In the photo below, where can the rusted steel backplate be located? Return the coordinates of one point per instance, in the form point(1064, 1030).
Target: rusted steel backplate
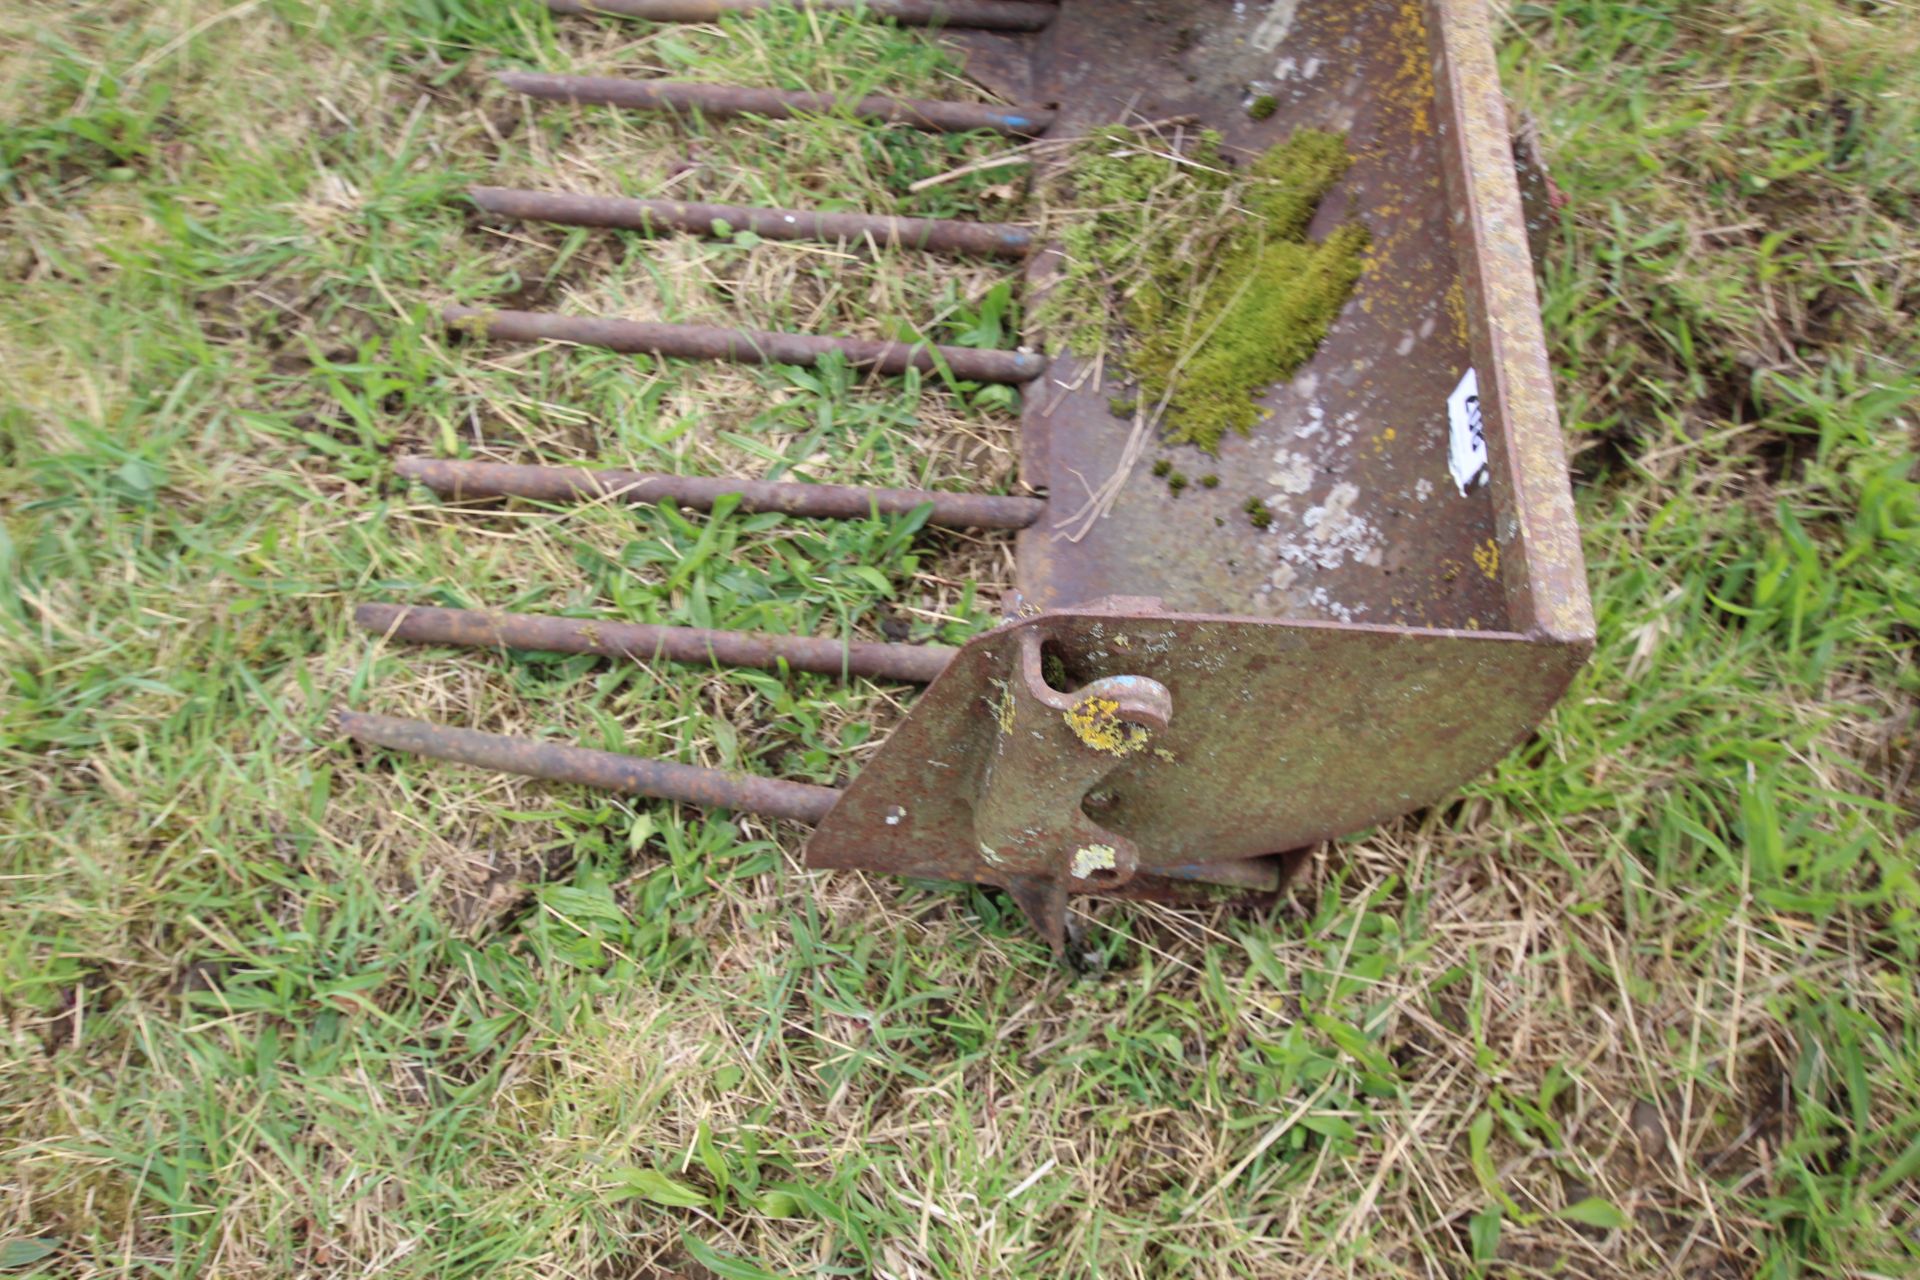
point(1280, 735)
point(1352, 461)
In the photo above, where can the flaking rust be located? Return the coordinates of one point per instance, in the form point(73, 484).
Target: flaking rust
point(1209, 678)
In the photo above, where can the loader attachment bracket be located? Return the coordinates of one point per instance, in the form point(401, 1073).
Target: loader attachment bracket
point(1049, 750)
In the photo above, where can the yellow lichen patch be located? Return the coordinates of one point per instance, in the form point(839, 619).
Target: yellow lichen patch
point(1411, 89)
point(1004, 710)
point(477, 323)
point(1487, 556)
point(1096, 721)
point(1094, 857)
point(1457, 308)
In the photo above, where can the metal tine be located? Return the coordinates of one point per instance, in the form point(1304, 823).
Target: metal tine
point(469, 628)
point(721, 100)
point(744, 346)
point(935, 235)
point(666, 780)
point(991, 15)
point(634, 775)
point(460, 479)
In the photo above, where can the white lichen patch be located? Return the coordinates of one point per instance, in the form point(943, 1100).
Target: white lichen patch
point(1333, 517)
point(1320, 598)
point(1333, 532)
point(1313, 423)
point(1093, 857)
point(1275, 24)
point(1294, 473)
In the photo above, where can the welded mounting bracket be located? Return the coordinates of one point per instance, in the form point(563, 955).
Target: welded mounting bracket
point(1052, 748)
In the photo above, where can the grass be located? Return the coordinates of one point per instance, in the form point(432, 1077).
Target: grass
point(1642, 1002)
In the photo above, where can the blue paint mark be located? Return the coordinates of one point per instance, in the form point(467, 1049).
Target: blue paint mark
point(1015, 122)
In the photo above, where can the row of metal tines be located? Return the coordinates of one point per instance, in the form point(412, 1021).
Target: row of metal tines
point(466, 480)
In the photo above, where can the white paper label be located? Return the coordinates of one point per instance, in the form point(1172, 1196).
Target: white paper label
point(1466, 439)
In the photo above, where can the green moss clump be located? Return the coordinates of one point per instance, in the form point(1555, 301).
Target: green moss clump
point(1177, 481)
point(1203, 277)
point(1122, 407)
point(1264, 326)
point(1258, 514)
point(1209, 482)
point(1162, 467)
point(1263, 106)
